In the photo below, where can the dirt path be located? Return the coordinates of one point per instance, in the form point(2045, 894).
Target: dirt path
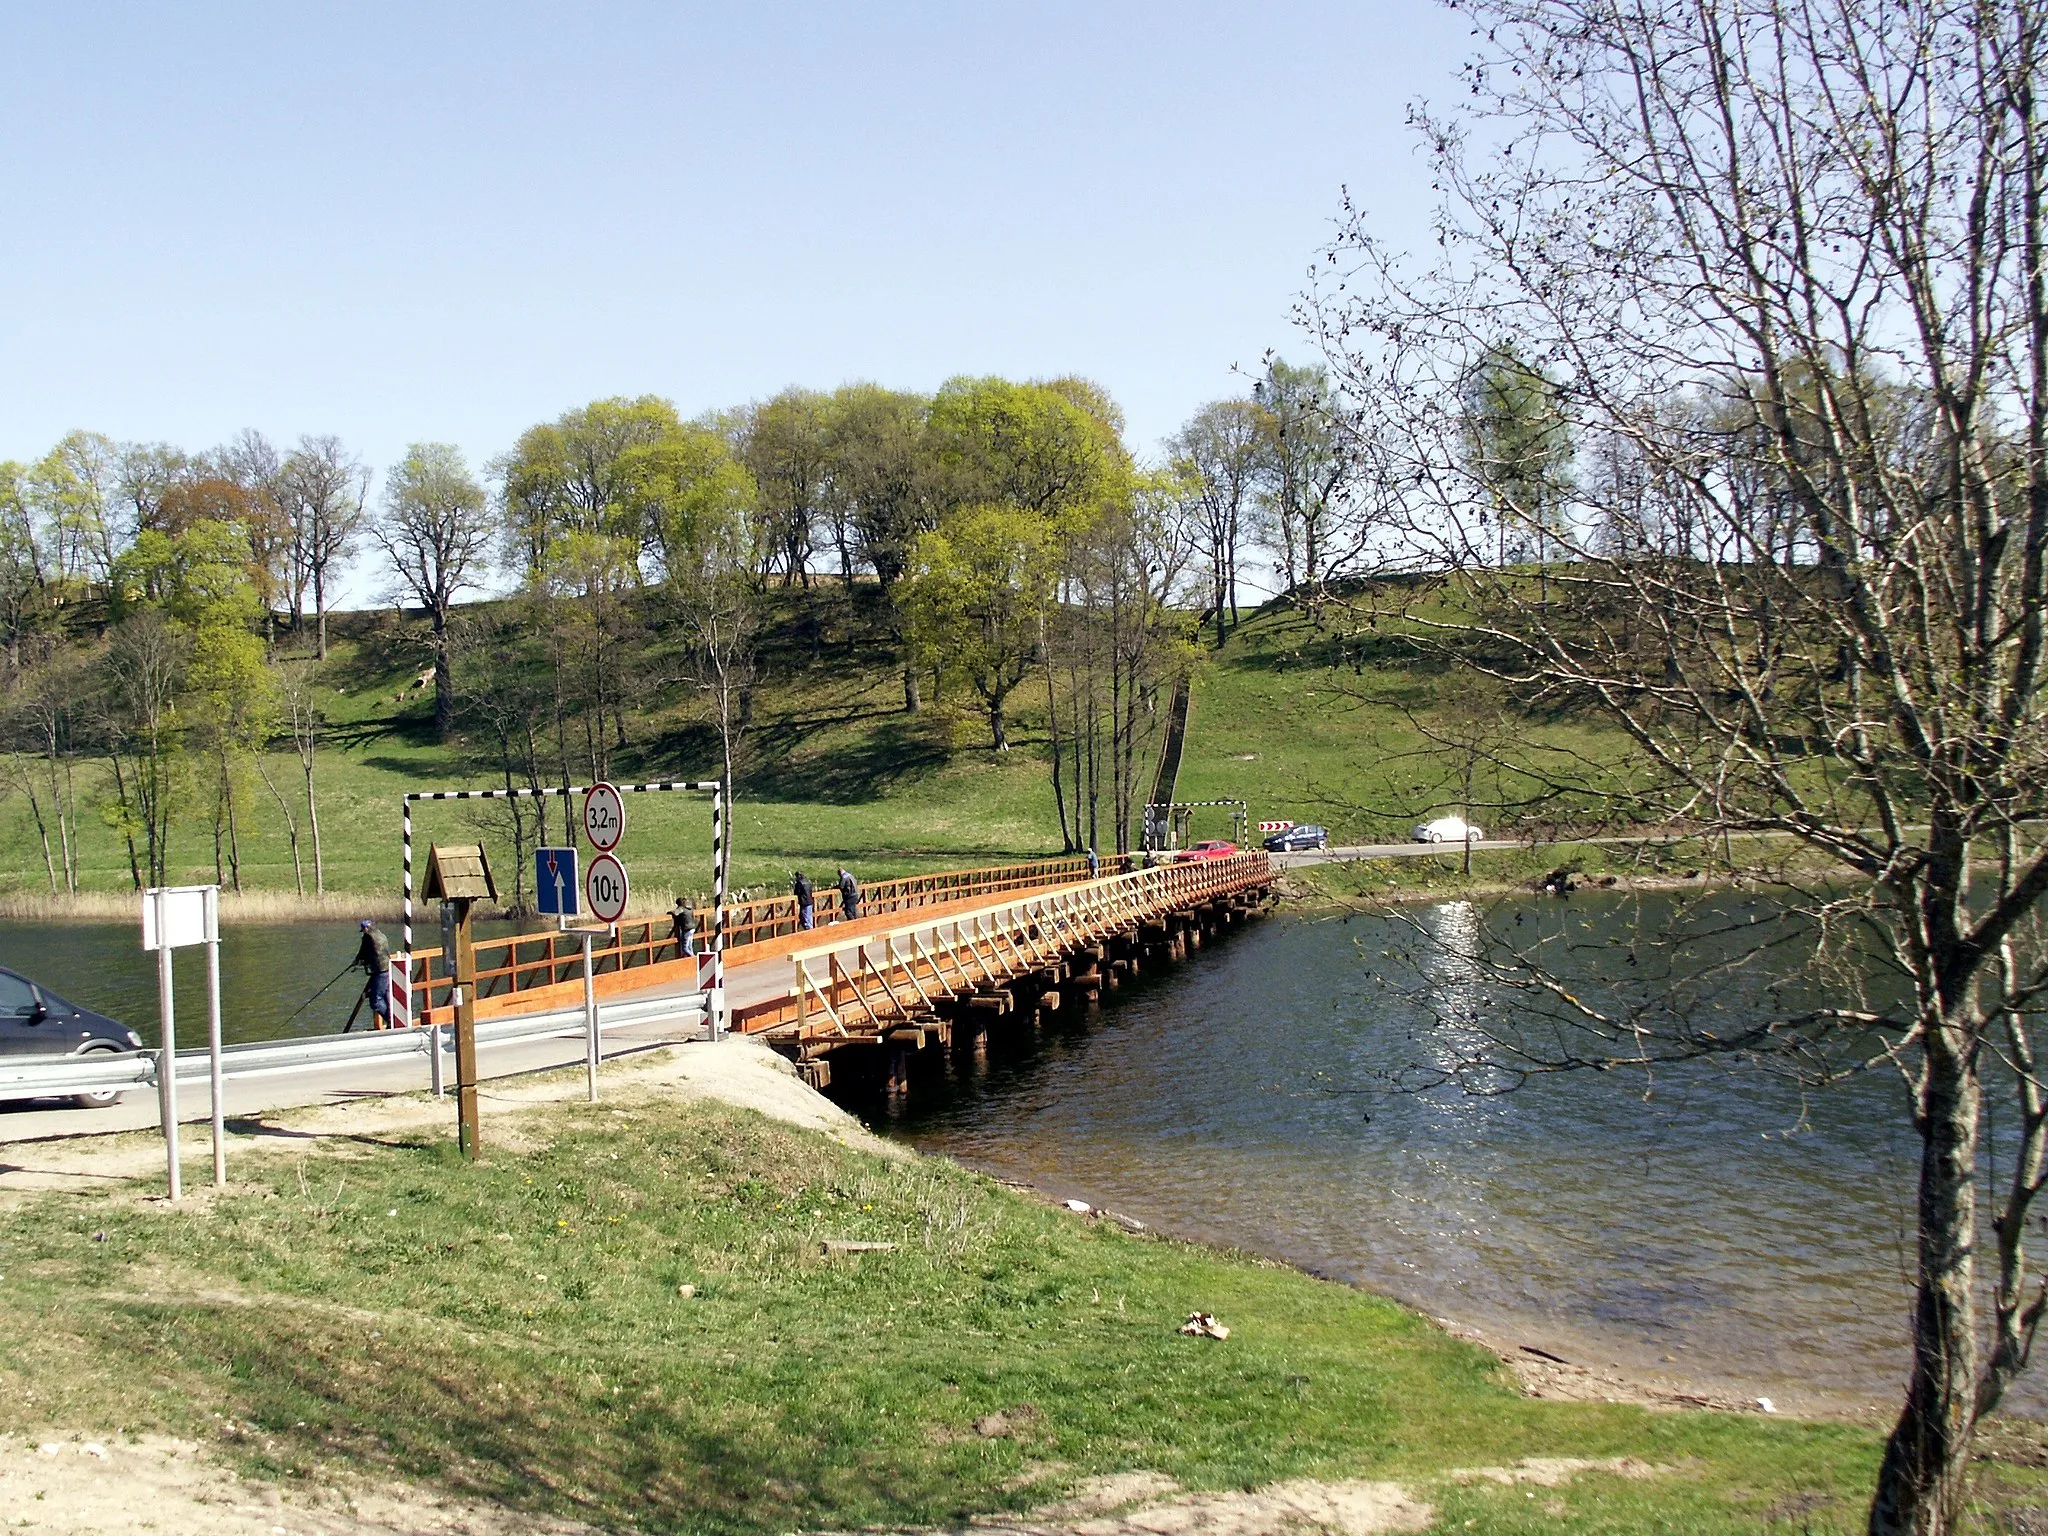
point(124, 1487)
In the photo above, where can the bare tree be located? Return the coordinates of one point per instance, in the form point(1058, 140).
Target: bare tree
point(1221, 452)
point(437, 532)
point(322, 488)
point(1826, 224)
point(301, 710)
point(720, 614)
point(143, 668)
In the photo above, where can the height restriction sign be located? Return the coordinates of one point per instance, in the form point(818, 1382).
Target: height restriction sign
point(604, 884)
point(604, 816)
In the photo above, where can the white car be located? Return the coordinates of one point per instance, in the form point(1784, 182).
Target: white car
point(1450, 829)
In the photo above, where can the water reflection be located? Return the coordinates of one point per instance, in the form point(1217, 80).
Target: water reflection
point(1721, 1217)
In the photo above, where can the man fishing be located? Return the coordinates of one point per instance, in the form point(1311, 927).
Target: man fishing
point(373, 957)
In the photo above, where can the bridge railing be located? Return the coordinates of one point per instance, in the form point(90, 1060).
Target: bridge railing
point(861, 984)
point(550, 958)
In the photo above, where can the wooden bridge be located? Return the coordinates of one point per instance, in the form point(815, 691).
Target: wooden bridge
point(922, 982)
point(959, 950)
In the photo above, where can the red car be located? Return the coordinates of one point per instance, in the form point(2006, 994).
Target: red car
point(1216, 848)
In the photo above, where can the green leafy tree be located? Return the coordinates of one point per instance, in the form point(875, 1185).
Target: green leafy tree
point(1049, 449)
point(71, 490)
point(784, 441)
point(976, 597)
point(580, 473)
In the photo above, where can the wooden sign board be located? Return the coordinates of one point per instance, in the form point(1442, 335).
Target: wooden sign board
point(458, 872)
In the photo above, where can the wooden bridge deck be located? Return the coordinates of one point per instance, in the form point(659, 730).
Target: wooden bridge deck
point(915, 984)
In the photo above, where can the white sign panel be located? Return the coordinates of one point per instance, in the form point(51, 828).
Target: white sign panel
point(604, 888)
point(176, 916)
point(604, 817)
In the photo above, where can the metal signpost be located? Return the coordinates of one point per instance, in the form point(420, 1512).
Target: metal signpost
point(593, 1043)
point(177, 917)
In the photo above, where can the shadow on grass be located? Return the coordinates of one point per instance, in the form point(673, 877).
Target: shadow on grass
point(499, 1420)
point(892, 753)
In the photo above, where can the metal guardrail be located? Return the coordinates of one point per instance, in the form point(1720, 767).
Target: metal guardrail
point(49, 1077)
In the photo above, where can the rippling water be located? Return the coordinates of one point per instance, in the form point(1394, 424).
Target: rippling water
point(1722, 1230)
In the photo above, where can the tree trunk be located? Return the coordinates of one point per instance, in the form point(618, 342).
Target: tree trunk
point(313, 826)
point(1922, 1479)
point(999, 735)
point(444, 680)
point(63, 828)
point(1059, 788)
point(912, 703)
point(234, 841)
point(291, 825)
point(35, 807)
point(320, 643)
point(127, 818)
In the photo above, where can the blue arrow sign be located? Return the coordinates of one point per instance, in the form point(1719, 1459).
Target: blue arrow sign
point(554, 880)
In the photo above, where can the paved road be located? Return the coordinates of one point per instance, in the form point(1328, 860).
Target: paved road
point(32, 1120)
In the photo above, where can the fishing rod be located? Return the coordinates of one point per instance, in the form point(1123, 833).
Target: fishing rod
point(309, 1002)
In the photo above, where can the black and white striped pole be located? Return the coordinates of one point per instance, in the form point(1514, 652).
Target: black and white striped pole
point(714, 1002)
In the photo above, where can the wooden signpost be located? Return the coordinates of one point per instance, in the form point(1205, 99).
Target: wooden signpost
point(459, 876)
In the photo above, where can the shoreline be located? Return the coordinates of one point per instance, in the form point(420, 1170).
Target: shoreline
point(1549, 1361)
point(254, 907)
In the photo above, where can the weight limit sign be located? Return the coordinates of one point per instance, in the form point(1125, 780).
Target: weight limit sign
point(604, 888)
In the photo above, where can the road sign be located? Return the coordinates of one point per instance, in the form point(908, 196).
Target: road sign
point(604, 886)
point(174, 916)
point(1275, 826)
point(604, 817)
point(554, 880)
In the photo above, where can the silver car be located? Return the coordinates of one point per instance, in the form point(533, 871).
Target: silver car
point(1450, 829)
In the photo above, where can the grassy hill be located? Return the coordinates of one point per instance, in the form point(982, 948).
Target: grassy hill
point(1301, 721)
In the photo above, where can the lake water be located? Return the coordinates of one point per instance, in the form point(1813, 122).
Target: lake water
point(267, 970)
point(1724, 1232)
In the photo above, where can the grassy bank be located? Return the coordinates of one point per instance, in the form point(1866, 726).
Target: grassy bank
point(1298, 721)
point(515, 1330)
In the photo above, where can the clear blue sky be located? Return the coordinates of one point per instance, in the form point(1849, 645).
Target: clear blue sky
point(446, 222)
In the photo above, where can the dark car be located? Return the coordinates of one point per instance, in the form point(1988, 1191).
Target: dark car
point(34, 1021)
point(1295, 839)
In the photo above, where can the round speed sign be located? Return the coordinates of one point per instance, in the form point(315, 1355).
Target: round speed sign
point(604, 888)
point(604, 816)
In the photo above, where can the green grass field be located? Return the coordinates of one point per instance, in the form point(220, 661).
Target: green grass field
point(1297, 721)
point(514, 1330)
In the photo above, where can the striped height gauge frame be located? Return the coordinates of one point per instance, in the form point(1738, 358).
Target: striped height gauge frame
point(715, 1008)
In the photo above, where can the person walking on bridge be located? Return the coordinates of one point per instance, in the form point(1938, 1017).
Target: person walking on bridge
point(849, 894)
point(806, 901)
point(373, 957)
point(684, 917)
